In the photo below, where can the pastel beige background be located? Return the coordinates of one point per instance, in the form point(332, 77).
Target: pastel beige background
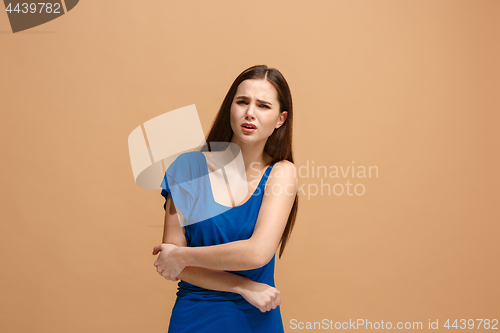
point(411, 87)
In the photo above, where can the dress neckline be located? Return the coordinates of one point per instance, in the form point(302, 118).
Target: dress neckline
point(265, 175)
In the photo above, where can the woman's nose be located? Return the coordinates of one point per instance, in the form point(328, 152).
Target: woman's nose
point(250, 110)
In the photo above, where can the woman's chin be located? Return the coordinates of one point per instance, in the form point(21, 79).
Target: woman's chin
point(247, 139)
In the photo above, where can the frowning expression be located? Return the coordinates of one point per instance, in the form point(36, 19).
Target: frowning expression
point(255, 111)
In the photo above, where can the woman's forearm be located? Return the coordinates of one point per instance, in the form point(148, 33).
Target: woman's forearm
point(262, 296)
point(215, 279)
point(238, 255)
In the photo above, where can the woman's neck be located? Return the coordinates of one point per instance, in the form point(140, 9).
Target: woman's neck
point(253, 154)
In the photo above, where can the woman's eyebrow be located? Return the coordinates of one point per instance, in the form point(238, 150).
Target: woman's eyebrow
point(259, 100)
point(263, 101)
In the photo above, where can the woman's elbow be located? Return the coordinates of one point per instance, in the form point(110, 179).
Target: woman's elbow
point(260, 258)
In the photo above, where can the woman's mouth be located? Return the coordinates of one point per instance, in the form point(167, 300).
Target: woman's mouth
point(248, 128)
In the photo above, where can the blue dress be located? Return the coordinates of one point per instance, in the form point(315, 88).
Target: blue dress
point(210, 223)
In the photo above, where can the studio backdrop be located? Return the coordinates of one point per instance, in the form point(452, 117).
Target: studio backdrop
point(395, 137)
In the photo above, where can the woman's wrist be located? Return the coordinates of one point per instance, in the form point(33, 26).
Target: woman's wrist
point(244, 286)
point(240, 288)
point(182, 256)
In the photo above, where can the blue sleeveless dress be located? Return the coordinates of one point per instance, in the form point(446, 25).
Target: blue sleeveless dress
point(210, 223)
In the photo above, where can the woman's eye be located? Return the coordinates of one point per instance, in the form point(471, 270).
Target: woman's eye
point(241, 102)
point(265, 106)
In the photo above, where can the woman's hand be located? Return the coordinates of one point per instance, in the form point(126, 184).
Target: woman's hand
point(167, 264)
point(261, 295)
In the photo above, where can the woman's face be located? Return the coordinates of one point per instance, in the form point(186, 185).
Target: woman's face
point(256, 103)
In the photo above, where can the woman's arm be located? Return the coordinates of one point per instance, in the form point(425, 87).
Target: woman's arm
point(254, 252)
point(261, 295)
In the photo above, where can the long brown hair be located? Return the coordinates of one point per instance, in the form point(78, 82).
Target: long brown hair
point(279, 144)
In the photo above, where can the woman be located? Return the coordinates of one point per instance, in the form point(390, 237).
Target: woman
point(226, 263)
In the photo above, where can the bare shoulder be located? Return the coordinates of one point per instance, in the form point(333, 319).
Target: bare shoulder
point(286, 167)
point(284, 172)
